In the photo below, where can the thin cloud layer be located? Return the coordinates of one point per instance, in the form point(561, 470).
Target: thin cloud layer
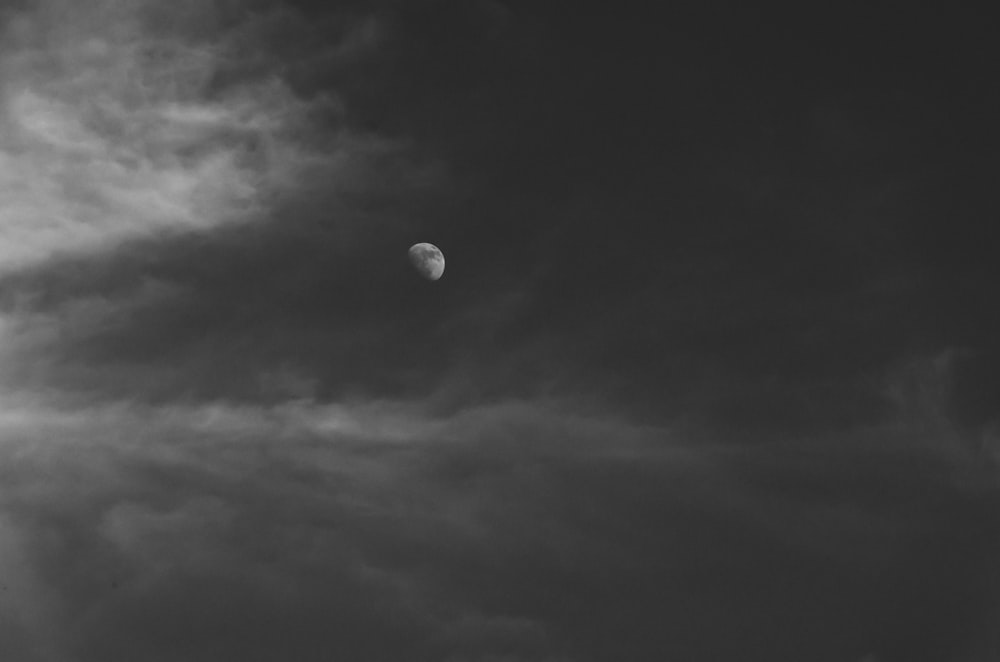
point(520, 531)
point(189, 534)
point(124, 121)
point(107, 135)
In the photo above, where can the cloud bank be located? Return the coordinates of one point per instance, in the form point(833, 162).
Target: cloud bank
point(516, 531)
point(111, 133)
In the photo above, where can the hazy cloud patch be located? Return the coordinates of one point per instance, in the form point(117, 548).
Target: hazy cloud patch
point(124, 121)
point(519, 530)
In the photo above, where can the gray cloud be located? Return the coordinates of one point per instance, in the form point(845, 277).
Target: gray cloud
point(110, 134)
point(242, 532)
point(126, 121)
point(518, 531)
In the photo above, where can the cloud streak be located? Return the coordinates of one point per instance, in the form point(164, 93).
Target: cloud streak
point(521, 531)
point(115, 128)
point(296, 523)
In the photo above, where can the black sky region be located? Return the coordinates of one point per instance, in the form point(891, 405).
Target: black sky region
point(711, 373)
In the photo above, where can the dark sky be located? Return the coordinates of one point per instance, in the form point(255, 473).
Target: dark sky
point(711, 375)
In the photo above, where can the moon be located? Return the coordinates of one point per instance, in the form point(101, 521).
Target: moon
point(428, 260)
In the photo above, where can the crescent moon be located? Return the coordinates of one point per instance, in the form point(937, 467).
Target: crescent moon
point(427, 259)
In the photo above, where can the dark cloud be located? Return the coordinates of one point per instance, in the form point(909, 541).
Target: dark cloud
point(519, 530)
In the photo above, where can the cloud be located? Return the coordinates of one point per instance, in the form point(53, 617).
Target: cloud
point(519, 530)
point(228, 531)
point(124, 121)
point(108, 135)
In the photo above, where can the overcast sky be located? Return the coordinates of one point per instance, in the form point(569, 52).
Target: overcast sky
point(713, 372)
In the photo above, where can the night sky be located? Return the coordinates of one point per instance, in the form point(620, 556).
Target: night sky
point(712, 374)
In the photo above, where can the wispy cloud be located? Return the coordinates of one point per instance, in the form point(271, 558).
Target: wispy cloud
point(114, 127)
point(314, 519)
point(520, 530)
